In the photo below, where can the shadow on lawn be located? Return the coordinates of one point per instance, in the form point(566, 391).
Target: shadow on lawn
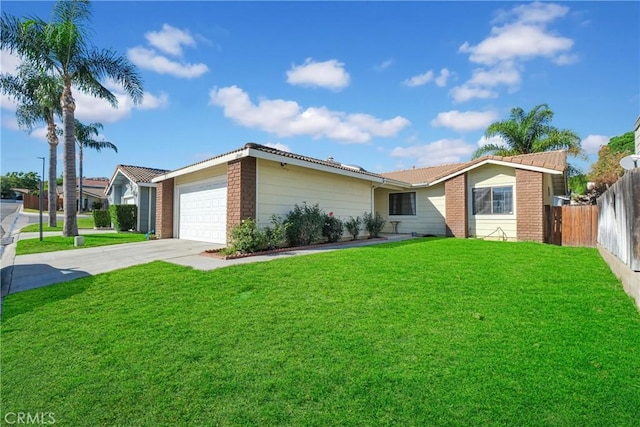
point(20, 278)
point(418, 240)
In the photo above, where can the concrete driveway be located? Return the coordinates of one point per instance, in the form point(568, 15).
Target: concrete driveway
point(37, 270)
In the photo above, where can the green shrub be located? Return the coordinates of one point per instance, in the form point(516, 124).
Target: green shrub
point(276, 233)
point(304, 225)
point(246, 237)
point(332, 228)
point(123, 217)
point(101, 219)
point(97, 205)
point(373, 224)
point(353, 226)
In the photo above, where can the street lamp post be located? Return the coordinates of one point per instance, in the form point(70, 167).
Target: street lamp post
point(41, 196)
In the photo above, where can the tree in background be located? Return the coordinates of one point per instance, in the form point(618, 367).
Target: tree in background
point(19, 180)
point(38, 98)
point(529, 132)
point(606, 170)
point(60, 48)
point(85, 137)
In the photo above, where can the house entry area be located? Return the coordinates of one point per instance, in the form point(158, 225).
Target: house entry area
point(202, 211)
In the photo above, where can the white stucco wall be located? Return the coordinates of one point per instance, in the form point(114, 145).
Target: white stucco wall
point(279, 188)
point(430, 211)
point(494, 226)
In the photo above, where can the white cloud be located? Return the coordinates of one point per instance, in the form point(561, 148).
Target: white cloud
point(496, 139)
point(288, 118)
point(592, 143)
point(384, 65)
point(9, 62)
point(520, 34)
point(464, 121)
point(149, 59)
point(419, 80)
point(329, 74)
point(278, 146)
point(534, 13)
point(91, 109)
point(441, 80)
point(502, 74)
point(8, 121)
point(170, 39)
point(517, 41)
point(566, 59)
point(436, 153)
point(466, 92)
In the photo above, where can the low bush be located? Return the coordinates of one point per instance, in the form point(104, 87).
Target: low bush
point(101, 219)
point(246, 237)
point(276, 233)
point(304, 225)
point(373, 224)
point(97, 205)
point(332, 228)
point(353, 227)
point(123, 217)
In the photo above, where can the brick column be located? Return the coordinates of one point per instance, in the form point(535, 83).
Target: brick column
point(164, 209)
point(457, 211)
point(241, 191)
point(529, 205)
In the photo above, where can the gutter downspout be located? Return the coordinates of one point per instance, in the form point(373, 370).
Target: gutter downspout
point(384, 180)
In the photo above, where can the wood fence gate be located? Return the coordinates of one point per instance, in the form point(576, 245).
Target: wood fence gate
point(573, 225)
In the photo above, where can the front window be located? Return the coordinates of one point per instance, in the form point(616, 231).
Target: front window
point(493, 201)
point(402, 203)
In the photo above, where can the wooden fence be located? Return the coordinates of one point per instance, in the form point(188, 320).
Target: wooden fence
point(573, 225)
point(619, 219)
point(31, 201)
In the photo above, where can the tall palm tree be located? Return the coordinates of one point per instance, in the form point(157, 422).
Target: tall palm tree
point(529, 132)
point(61, 49)
point(38, 97)
point(85, 137)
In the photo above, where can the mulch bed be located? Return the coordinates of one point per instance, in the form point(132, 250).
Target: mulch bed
point(215, 253)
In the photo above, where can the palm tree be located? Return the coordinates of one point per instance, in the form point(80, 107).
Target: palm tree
point(60, 48)
point(85, 135)
point(531, 132)
point(38, 97)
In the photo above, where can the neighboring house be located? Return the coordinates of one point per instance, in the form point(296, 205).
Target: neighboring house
point(496, 197)
point(131, 185)
point(93, 192)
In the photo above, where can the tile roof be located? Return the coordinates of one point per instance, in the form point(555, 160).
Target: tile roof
point(94, 182)
point(554, 160)
point(139, 173)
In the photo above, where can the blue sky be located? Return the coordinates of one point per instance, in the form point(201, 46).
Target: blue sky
point(384, 85)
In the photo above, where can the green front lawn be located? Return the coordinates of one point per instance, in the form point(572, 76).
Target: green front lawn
point(82, 223)
point(428, 332)
point(59, 243)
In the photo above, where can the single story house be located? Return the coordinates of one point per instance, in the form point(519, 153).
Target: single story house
point(507, 198)
point(92, 192)
point(131, 185)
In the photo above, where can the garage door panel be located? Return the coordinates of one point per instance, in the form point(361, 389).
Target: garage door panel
point(203, 212)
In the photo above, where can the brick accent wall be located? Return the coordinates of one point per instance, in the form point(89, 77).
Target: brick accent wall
point(529, 205)
point(164, 209)
point(241, 191)
point(457, 212)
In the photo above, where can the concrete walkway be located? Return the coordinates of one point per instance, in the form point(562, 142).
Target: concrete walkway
point(25, 272)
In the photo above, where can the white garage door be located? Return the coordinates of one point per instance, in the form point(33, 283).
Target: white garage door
point(203, 211)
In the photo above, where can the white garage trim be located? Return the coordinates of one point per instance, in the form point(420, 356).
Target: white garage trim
point(200, 209)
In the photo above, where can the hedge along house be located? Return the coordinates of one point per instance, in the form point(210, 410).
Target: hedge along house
point(204, 201)
point(131, 185)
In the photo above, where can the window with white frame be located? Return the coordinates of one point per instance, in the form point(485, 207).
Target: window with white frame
point(402, 203)
point(493, 201)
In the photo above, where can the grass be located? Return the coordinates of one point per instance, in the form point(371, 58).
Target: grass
point(59, 243)
point(82, 223)
point(437, 332)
